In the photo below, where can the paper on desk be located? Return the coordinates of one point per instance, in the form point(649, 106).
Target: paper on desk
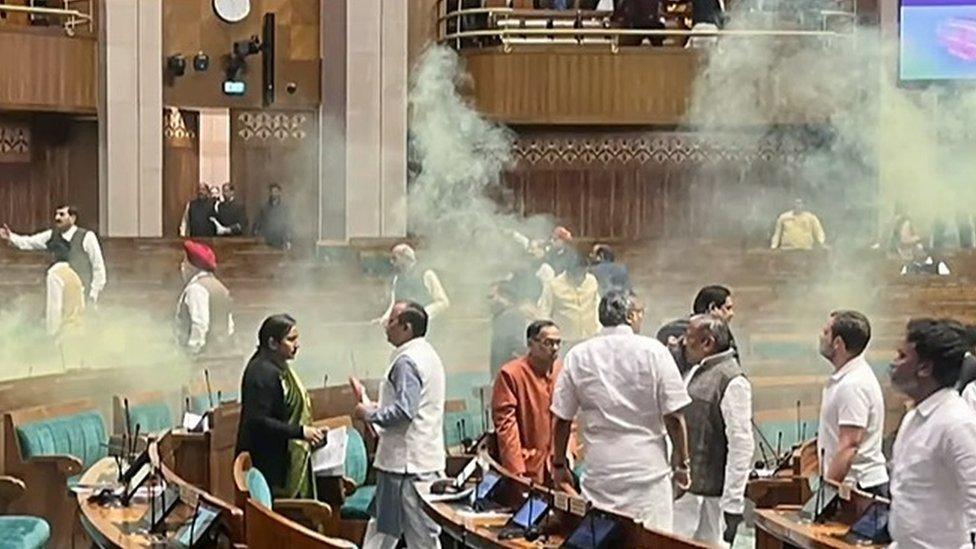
point(462, 495)
point(191, 421)
point(330, 460)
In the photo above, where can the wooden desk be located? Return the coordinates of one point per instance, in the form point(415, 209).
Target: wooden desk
point(782, 528)
point(482, 531)
point(110, 526)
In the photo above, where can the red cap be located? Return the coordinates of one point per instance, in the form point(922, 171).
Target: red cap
point(200, 255)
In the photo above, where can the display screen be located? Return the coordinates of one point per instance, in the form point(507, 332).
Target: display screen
point(529, 513)
point(937, 40)
point(593, 532)
point(485, 486)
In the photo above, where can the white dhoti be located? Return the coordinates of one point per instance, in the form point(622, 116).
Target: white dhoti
point(699, 518)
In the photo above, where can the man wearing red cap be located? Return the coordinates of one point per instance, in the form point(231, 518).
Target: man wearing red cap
point(203, 317)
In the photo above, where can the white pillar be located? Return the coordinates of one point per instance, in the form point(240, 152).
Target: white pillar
point(363, 172)
point(131, 119)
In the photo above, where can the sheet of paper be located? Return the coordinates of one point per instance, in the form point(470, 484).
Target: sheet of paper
point(330, 460)
point(191, 421)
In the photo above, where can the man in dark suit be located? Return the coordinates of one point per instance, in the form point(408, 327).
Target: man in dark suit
point(231, 214)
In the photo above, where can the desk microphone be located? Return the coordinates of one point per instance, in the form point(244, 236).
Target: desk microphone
point(798, 422)
point(128, 418)
point(187, 404)
point(206, 379)
point(762, 448)
point(484, 415)
point(779, 445)
point(803, 433)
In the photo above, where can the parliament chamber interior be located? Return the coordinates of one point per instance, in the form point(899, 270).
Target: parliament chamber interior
point(488, 273)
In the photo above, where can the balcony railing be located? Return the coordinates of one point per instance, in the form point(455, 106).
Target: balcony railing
point(72, 14)
point(506, 26)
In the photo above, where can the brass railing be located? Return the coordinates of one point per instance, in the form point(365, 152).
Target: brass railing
point(507, 26)
point(71, 16)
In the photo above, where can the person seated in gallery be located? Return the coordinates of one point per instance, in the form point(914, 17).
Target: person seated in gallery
point(798, 229)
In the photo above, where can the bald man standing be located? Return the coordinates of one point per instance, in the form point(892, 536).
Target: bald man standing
point(414, 283)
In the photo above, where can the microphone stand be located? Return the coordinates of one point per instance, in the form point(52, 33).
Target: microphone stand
point(818, 515)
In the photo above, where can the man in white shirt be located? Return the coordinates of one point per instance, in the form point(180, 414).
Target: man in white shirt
point(720, 434)
point(933, 474)
point(203, 314)
point(852, 408)
point(85, 256)
point(413, 283)
point(409, 419)
point(624, 390)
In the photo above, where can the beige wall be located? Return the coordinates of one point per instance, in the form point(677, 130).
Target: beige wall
point(130, 116)
point(364, 125)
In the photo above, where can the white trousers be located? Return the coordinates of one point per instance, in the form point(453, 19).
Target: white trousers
point(699, 518)
point(419, 530)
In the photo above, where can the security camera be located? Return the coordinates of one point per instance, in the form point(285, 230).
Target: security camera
point(201, 62)
point(291, 87)
point(176, 64)
point(243, 48)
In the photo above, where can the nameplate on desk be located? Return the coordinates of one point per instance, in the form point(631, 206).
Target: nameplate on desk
point(560, 500)
point(577, 506)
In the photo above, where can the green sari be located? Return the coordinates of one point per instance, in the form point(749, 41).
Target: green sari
point(299, 482)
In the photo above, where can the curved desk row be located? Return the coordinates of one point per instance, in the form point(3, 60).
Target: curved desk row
point(482, 530)
point(112, 525)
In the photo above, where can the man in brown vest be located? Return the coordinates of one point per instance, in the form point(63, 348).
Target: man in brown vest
point(203, 315)
point(85, 254)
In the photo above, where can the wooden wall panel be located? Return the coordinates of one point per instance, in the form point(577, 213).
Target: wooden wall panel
point(44, 70)
point(277, 147)
point(62, 168)
point(571, 85)
point(657, 184)
point(181, 165)
point(190, 26)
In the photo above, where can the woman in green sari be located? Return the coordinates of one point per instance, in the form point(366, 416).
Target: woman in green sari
point(276, 413)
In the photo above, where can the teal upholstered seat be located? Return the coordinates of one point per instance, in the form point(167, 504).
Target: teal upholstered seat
point(81, 435)
point(258, 487)
point(19, 532)
point(153, 417)
point(201, 403)
point(356, 505)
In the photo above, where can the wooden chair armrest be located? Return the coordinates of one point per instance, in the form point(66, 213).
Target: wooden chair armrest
point(10, 489)
point(309, 512)
point(66, 465)
point(348, 486)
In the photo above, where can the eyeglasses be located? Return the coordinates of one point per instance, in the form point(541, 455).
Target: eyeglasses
point(551, 343)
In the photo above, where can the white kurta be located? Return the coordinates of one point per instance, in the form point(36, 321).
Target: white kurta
point(619, 386)
point(89, 244)
point(933, 475)
point(438, 297)
point(197, 300)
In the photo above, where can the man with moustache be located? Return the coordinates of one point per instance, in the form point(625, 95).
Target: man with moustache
point(409, 419)
point(520, 404)
point(199, 214)
point(852, 410)
point(84, 254)
point(933, 474)
point(715, 300)
point(719, 434)
point(203, 314)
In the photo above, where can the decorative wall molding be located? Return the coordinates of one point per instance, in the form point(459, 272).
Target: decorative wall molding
point(175, 129)
point(15, 142)
point(657, 148)
point(254, 126)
